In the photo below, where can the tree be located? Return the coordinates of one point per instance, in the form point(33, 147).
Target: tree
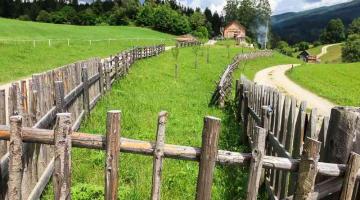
point(246, 13)
point(118, 17)
point(231, 10)
point(197, 20)
point(43, 16)
point(216, 23)
point(334, 32)
point(284, 48)
point(302, 46)
point(351, 50)
point(354, 27)
point(145, 16)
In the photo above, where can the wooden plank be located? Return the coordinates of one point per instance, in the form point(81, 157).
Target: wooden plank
point(277, 146)
point(62, 162)
point(350, 177)
point(256, 164)
point(113, 131)
point(59, 96)
point(101, 79)
point(15, 158)
point(158, 156)
point(210, 136)
point(308, 169)
point(42, 182)
point(311, 127)
point(323, 135)
point(86, 97)
point(3, 144)
point(245, 118)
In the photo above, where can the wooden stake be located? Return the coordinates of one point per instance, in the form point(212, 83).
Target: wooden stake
point(158, 156)
point(101, 80)
point(256, 163)
point(62, 165)
point(59, 96)
point(208, 157)
point(308, 169)
point(86, 97)
point(350, 177)
point(113, 131)
point(15, 156)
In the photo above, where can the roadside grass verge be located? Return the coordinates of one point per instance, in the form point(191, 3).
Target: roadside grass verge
point(149, 88)
point(339, 83)
point(333, 55)
point(21, 58)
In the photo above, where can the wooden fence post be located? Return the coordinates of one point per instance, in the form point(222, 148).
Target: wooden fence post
point(341, 133)
point(113, 133)
point(308, 169)
point(208, 156)
point(86, 97)
point(350, 177)
point(158, 156)
point(256, 163)
point(240, 101)
point(59, 96)
point(245, 117)
point(101, 80)
point(117, 66)
point(15, 158)
point(62, 164)
point(107, 75)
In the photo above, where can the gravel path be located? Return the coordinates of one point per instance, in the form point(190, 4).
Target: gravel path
point(275, 77)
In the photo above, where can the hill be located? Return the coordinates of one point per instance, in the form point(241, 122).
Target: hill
point(307, 25)
point(25, 46)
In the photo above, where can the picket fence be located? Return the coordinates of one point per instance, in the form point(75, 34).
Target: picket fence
point(223, 87)
point(74, 88)
point(293, 133)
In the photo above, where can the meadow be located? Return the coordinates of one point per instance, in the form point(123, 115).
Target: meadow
point(25, 49)
point(333, 55)
point(339, 83)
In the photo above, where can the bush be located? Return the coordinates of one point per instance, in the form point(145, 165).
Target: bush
point(118, 17)
point(85, 191)
point(317, 43)
point(145, 16)
point(302, 46)
point(24, 18)
point(201, 32)
point(351, 50)
point(87, 17)
point(43, 16)
point(284, 48)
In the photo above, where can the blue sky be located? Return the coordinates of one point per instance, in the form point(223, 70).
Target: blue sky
point(278, 6)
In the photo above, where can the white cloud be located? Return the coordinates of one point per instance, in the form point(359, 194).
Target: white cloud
point(278, 6)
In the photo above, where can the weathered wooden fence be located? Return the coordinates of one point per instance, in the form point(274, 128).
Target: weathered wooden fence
point(188, 44)
point(74, 88)
point(223, 87)
point(293, 133)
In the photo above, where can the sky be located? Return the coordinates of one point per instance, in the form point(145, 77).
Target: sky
point(278, 6)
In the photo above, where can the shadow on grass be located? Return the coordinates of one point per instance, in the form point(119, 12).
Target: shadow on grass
point(234, 178)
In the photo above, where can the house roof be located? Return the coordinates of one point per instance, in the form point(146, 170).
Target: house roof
point(305, 53)
point(236, 23)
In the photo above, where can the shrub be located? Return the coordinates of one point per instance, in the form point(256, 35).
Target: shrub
point(85, 191)
point(201, 32)
point(351, 50)
point(87, 17)
point(317, 43)
point(24, 18)
point(43, 16)
point(302, 46)
point(118, 17)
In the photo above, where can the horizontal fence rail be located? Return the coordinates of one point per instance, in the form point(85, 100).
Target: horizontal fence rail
point(223, 87)
point(294, 133)
point(188, 44)
point(75, 88)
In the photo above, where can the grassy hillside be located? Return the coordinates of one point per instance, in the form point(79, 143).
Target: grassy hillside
point(307, 25)
point(315, 50)
point(339, 83)
point(19, 54)
point(333, 55)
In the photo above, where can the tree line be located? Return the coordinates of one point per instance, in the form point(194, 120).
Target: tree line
point(163, 15)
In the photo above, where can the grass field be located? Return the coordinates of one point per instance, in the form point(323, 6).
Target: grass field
point(149, 88)
point(315, 50)
point(333, 55)
point(339, 83)
point(19, 54)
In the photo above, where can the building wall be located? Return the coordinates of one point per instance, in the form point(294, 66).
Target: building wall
point(233, 30)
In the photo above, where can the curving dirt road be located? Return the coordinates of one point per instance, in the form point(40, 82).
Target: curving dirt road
point(275, 77)
point(325, 48)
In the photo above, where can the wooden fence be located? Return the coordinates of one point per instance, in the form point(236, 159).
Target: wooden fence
point(75, 88)
point(223, 87)
point(293, 133)
point(188, 44)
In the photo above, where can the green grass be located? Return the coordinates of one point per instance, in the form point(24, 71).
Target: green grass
point(315, 50)
point(149, 88)
point(333, 55)
point(24, 59)
point(250, 68)
point(339, 83)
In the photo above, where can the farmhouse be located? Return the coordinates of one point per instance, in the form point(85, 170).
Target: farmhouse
point(235, 30)
point(307, 57)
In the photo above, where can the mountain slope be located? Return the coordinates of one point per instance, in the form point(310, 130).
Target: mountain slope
point(307, 25)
